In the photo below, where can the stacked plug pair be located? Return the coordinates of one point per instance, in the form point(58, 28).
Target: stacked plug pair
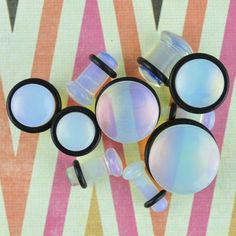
point(198, 82)
point(93, 170)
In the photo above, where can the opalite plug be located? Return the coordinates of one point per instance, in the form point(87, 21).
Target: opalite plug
point(155, 67)
point(137, 175)
point(83, 89)
point(94, 169)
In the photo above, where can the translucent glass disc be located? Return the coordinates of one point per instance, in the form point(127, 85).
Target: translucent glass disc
point(184, 159)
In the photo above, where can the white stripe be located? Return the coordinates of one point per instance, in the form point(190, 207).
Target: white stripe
point(66, 46)
point(225, 189)
point(18, 48)
point(179, 214)
point(106, 207)
point(40, 186)
point(46, 156)
point(173, 16)
point(214, 27)
point(145, 23)
point(111, 33)
point(78, 211)
point(5, 29)
point(4, 229)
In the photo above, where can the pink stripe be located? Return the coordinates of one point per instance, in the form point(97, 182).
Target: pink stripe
point(59, 198)
point(91, 41)
point(202, 201)
point(122, 196)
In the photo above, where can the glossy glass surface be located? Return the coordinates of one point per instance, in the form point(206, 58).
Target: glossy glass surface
point(127, 111)
point(184, 159)
point(199, 83)
point(75, 131)
point(33, 105)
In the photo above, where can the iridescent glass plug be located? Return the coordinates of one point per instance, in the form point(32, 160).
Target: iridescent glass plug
point(32, 105)
point(83, 89)
point(75, 131)
point(93, 170)
point(199, 83)
point(182, 156)
point(137, 175)
point(127, 109)
point(156, 66)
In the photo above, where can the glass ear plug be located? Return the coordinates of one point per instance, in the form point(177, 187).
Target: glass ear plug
point(198, 82)
point(75, 131)
point(136, 174)
point(156, 66)
point(127, 109)
point(32, 104)
point(101, 67)
point(94, 169)
point(182, 156)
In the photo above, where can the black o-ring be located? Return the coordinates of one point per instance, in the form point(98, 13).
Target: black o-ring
point(149, 66)
point(155, 199)
point(173, 109)
point(102, 65)
point(79, 174)
point(46, 85)
point(92, 117)
point(176, 96)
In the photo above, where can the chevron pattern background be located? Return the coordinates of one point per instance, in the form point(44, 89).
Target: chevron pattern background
point(52, 39)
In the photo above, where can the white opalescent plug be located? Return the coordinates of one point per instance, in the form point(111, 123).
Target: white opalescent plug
point(170, 49)
point(137, 175)
point(83, 89)
point(94, 169)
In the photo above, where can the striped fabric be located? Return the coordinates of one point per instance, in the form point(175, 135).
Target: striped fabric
point(51, 39)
